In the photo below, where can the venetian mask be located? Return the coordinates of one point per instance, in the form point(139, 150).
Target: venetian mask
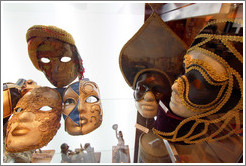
point(82, 107)
point(53, 51)
point(35, 120)
point(151, 87)
point(209, 95)
point(204, 81)
point(56, 60)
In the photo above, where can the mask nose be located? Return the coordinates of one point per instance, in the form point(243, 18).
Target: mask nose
point(55, 64)
point(175, 87)
point(149, 96)
point(26, 117)
point(81, 107)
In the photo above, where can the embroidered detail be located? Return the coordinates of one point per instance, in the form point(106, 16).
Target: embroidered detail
point(222, 123)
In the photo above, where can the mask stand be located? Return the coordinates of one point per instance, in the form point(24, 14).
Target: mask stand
point(144, 123)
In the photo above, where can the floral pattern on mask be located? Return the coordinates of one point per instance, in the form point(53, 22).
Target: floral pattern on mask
point(32, 126)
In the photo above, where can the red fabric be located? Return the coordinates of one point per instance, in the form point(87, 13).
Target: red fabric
point(82, 71)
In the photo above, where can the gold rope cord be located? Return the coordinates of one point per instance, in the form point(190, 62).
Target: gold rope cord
point(233, 114)
point(234, 50)
point(211, 71)
point(193, 107)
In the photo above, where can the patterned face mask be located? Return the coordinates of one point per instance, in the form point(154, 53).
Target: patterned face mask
point(82, 108)
point(201, 88)
point(215, 98)
point(35, 120)
point(52, 50)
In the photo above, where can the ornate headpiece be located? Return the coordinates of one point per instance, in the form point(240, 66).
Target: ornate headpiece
point(154, 47)
point(222, 40)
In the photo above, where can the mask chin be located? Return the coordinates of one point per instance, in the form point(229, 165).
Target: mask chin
point(147, 106)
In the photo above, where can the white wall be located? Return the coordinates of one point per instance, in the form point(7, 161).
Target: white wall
point(100, 30)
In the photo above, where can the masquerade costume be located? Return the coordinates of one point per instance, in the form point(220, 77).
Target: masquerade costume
point(217, 99)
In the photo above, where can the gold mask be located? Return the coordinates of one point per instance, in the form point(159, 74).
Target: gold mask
point(35, 120)
point(82, 108)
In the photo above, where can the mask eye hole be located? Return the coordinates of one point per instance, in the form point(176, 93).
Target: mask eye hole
point(198, 84)
point(91, 99)
point(45, 60)
point(45, 108)
point(65, 59)
point(69, 101)
point(19, 109)
point(141, 88)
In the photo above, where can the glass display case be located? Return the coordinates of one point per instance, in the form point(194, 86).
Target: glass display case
point(100, 31)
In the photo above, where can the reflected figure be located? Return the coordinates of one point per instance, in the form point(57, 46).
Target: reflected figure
point(89, 155)
point(35, 120)
point(151, 87)
point(206, 102)
point(119, 136)
point(82, 110)
point(121, 151)
point(66, 153)
point(52, 50)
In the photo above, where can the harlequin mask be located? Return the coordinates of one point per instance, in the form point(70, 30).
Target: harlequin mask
point(35, 120)
point(151, 86)
point(209, 94)
point(53, 51)
point(82, 107)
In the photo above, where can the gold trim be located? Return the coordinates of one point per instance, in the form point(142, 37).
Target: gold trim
point(233, 114)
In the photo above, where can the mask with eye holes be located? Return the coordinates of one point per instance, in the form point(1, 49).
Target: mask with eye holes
point(53, 51)
point(35, 120)
point(152, 85)
point(82, 109)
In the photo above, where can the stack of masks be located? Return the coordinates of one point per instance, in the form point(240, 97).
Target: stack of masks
point(36, 116)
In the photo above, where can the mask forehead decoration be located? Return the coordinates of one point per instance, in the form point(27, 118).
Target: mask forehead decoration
point(35, 120)
point(53, 51)
point(82, 110)
point(215, 95)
